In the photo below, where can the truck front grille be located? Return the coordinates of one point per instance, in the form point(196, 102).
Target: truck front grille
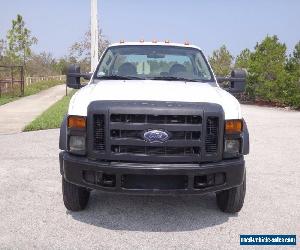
point(99, 133)
point(127, 130)
point(116, 132)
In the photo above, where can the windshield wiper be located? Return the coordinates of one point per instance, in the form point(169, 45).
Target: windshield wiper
point(118, 77)
point(174, 78)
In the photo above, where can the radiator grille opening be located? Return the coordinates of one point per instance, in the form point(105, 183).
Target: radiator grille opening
point(192, 136)
point(138, 134)
point(149, 150)
point(156, 119)
point(211, 138)
point(99, 133)
point(187, 128)
point(152, 182)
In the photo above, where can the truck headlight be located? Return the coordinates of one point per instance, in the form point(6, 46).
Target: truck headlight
point(77, 134)
point(77, 143)
point(232, 146)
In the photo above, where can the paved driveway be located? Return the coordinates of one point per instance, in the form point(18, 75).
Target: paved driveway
point(32, 214)
point(14, 116)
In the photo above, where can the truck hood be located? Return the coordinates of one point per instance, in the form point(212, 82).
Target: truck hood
point(153, 90)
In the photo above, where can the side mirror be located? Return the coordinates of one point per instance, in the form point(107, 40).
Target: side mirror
point(73, 76)
point(237, 81)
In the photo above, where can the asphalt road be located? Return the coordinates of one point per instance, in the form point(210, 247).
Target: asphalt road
point(32, 214)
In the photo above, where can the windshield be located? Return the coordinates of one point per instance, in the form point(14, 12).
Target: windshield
point(154, 63)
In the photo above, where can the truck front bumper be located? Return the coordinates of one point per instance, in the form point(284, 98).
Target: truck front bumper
point(141, 178)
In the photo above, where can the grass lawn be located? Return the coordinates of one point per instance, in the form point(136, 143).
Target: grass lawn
point(6, 99)
point(52, 117)
point(30, 90)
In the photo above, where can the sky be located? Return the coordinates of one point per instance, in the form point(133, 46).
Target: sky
point(208, 24)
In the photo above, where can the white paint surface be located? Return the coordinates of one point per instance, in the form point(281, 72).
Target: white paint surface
point(154, 90)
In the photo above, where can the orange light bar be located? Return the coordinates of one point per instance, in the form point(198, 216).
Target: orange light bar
point(76, 121)
point(233, 126)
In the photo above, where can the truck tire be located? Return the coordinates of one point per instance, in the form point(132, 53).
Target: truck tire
point(75, 197)
point(232, 200)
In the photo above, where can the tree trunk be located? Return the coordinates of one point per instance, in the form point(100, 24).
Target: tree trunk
point(24, 60)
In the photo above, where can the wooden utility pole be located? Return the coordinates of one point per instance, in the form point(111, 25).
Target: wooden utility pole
point(94, 35)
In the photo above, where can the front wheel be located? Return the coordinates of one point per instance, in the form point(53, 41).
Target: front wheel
point(232, 200)
point(75, 197)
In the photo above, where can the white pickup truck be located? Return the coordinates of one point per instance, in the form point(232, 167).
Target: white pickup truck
point(153, 120)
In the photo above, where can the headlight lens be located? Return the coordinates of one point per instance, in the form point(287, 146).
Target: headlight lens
point(232, 146)
point(77, 143)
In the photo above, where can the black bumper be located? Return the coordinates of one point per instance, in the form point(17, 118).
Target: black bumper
point(141, 178)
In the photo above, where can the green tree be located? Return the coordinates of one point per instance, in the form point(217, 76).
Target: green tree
point(19, 40)
point(267, 69)
point(61, 65)
point(221, 61)
point(41, 64)
point(242, 61)
point(2, 49)
point(293, 64)
point(293, 69)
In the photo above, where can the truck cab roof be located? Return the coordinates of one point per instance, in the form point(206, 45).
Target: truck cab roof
point(156, 43)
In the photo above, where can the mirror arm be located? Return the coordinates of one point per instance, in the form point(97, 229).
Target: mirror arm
point(236, 80)
point(86, 76)
point(229, 79)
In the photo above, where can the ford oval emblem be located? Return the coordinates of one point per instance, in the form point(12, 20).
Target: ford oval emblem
point(156, 136)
